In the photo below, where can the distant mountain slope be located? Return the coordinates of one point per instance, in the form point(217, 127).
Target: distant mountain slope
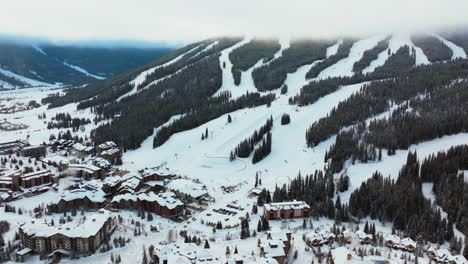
point(208, 79)
point(69, 65)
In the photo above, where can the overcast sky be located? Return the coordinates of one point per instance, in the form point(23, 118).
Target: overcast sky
point(190, 20)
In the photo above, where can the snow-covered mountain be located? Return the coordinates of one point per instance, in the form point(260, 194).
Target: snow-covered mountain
point(44, 65)
point(176, 109)
point(361, 129)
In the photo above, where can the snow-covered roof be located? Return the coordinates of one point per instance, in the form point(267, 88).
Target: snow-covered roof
point(110, 152)
point(24, 251)
point(362, 235)
point(84, 167)
point(81, 147)
point(278, 234)
point(112, 180)
point(320, 237)
point(393, 238)
point(81, 227)
point(158, 171)
point(56, 159)
point(100, 162)
point(274, 248)
point(107, 145)
point(78, 194)
point(294, 205)
point(407, 242)
point(36, 174)
point(166, 199)
point(33, 147)
point(184, 253)
point(131, 183)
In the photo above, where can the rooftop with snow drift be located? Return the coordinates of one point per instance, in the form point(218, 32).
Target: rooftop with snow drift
point(294, 205)
point(166, 199)
point(81, 227)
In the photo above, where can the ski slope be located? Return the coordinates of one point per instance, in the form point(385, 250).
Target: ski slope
point(207, 48)
point(344, 67)
point(396, 42)
point(226, 66)
point(458, 52)
point(192, 156)
point(38, 49)
point(79, 69)
point(334, 49)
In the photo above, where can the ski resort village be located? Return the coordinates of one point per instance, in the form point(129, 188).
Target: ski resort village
point(242, 150)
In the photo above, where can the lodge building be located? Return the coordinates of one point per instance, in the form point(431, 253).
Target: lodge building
point(286, 210)
point(83, 236)
point(164, 204)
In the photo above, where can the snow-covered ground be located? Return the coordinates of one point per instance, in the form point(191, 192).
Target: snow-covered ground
point(37, 131)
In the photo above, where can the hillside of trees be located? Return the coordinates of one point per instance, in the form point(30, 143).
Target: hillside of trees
point(459, 38)
point(247, 146)
point(107, 90)
point(402, 202)
point(375, 97)
point(11, 80)
point(434, 49)
point(369, 56)
point(247, 55)
point(301, 52)
point(341, 53)
point(438, 113)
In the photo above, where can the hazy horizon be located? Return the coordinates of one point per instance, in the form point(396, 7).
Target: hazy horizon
point(181, 22)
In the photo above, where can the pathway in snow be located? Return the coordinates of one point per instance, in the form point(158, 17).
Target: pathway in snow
point(38, 49)
point(344, 67)
point(334, 49)
point(226, 66)
point(396, 41)
point(458, 52)
point(79, 69)
point(142, 76)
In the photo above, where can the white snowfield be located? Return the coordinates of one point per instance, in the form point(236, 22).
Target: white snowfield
point(79, 69)
point(344, 67)
point(458, 52)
